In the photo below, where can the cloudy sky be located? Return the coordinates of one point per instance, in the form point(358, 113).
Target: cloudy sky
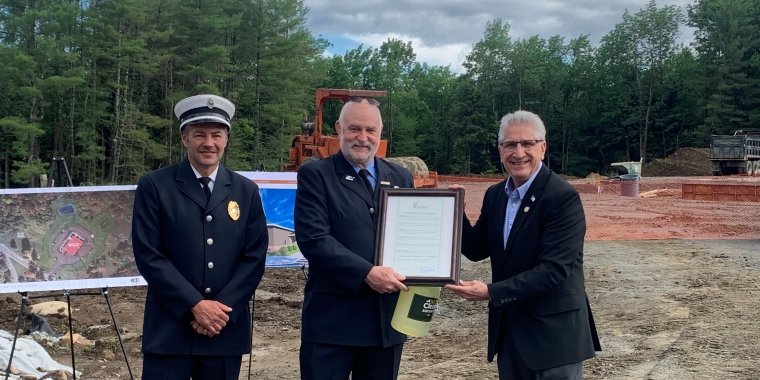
point(443, 31)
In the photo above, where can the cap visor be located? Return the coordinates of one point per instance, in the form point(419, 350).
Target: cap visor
point(205, 119)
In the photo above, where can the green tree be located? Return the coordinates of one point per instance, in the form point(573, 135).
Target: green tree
point(656, 31)
point(683, 104)
point(575, 107)
point(280, 64)
point(436, 95)
point(18, 136)
point(487, 64)
point(392, 62)
point(727, 39)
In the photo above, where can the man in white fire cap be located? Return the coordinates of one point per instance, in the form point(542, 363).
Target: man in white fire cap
point(201, 109)
point(200, 239)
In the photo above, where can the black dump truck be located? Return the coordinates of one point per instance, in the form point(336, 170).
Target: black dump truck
point(737, 154)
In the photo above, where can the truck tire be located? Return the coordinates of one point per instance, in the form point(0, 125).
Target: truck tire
point(757, 167)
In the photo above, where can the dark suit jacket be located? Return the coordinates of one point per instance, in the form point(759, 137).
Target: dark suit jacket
point(538, 289)
point(184, 248)
point(336, 226)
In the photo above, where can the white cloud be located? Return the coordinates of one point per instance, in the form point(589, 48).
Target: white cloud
point(452, 54)
point(443, 31)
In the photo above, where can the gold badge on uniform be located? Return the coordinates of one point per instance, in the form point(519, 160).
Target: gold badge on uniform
point(234, 210)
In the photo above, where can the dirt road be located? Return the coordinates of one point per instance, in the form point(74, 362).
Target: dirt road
point(676, 309)
point(667, 309)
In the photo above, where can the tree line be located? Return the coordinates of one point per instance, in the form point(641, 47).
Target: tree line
point(96, 81)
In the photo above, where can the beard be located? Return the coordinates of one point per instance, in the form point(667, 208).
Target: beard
point(357, 158)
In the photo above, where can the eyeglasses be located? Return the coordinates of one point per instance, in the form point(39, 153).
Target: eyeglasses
point(359, 99)
point(511, 146)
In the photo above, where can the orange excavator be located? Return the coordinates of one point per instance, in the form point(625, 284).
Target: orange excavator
point(311, 145)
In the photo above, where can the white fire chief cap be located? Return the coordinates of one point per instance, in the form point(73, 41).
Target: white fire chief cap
point(204, 109)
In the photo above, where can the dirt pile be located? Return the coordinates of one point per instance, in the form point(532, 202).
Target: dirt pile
point(595, 177)
point(684, 162)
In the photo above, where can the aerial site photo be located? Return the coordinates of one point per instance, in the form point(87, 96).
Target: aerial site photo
point(48, 237)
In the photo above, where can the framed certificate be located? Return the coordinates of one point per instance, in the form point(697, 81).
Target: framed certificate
point(420, 234)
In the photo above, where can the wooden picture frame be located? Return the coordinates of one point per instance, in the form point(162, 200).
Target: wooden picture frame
point(420, 234)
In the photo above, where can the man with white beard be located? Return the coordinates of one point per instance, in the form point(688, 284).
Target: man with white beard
point(348, 301)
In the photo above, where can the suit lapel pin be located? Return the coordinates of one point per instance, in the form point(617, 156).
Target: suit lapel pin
point(350, 178)
point(526, 209)
point(533, 198)
point(385, 183)
point(395, 187)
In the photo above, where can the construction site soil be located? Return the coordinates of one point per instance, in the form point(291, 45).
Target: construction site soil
point(674, 285)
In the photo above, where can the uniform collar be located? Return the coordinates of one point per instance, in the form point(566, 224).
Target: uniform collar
point(510, 186)
point(212, 176)
point(370, 168)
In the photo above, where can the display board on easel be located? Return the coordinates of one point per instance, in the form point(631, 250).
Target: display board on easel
point(80, 237)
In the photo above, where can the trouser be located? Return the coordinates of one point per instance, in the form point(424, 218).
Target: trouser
point(512, 367)
point(335, 362)
point(185, 367)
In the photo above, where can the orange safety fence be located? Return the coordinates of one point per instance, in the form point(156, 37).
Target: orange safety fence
point(664, 208)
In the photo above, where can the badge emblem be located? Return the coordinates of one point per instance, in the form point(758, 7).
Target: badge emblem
point(210, 103)
point(526, 209)
point(234, 210)
point(350, 178)
point(533, 198)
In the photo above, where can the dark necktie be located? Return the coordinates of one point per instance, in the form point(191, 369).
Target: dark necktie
point(365, 174)
point(205, 181)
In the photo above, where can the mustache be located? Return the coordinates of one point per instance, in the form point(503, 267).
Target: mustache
point(359, 143)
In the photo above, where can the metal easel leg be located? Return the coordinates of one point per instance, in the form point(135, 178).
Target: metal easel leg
point(15, 334)
point(118, 334)
point(250, 355)
point(71, 335)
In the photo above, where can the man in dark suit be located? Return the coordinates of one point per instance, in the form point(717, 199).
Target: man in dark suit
point(200, 239)
point(532, 227)
point(348, 301)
